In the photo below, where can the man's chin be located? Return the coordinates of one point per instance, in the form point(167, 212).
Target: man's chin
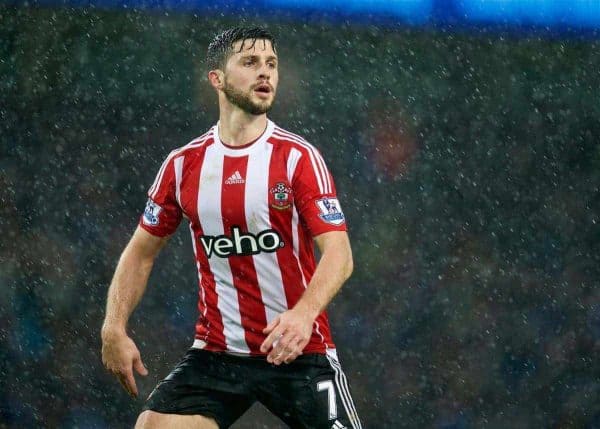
point(263, 103)
point(261, 108)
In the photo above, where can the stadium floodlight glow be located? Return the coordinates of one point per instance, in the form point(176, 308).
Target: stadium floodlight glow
point(410, 11)
point(577, 13)
point(536, 14)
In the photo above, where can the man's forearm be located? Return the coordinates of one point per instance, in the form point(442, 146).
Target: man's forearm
point(126, 289)
point(334, 268)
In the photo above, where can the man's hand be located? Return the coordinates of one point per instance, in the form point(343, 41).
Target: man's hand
point(120, 356)
point(288, 334)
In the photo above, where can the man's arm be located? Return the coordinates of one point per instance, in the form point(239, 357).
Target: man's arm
point(290, 332)
point(119, 353)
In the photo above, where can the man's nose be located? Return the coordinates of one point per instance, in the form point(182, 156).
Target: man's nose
point(264, 72)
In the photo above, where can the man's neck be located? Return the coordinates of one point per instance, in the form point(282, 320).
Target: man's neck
point(237, 128)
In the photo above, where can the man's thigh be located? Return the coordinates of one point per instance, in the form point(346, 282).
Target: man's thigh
point(312, 392)
point(203, 384)
point(153, 420)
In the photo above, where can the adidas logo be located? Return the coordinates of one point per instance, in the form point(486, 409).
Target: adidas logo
point(338, 425)
point(235, 178)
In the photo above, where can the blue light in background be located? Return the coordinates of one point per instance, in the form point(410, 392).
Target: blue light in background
point(553, 15)
point(411, 11)
point(538, 12)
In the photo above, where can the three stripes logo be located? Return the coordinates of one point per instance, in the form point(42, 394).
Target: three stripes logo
point(338, 425)
point(235, 179)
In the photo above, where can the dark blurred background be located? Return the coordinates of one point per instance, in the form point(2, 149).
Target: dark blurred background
point(467, 161)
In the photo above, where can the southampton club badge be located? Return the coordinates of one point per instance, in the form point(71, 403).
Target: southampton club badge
point(330, 211)
point(280, 196)
point(151, 213)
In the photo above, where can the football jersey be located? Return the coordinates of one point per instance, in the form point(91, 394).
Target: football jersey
point(253, 211)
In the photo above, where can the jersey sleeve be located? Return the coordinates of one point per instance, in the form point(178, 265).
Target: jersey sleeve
point(315, 195)
point(162, 214)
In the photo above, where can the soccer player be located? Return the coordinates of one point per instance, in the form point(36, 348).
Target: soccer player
point(255, 197)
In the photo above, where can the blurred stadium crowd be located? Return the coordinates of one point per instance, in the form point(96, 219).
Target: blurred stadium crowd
point(468, 166)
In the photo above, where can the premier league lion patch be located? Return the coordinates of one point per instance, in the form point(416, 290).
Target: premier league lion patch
point(330, 211)
point(151, 213)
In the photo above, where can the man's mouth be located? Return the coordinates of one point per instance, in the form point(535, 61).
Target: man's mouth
point(263, 89)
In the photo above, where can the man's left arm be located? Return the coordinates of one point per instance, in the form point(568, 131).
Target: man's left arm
point(290, 332)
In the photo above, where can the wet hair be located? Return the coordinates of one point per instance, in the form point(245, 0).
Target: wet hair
point(221, 47)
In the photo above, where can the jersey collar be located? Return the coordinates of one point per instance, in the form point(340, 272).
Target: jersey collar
point(247, 149)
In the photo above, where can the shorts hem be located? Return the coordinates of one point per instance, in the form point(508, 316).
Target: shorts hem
point(202, 413)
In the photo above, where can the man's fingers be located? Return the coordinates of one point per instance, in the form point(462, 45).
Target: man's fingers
point(298, 351)
point(124, 384)
point(140, 367)
point(284, 348)
point(271, 326)
point(298, 346)
point(292, 357)
point(278, 345)
point(286, 356)
point(271, 339)
point(121, 357)
point(126, 378)
point(130, 380)
point(272, 335)
point(268, 342)
point(302, 344)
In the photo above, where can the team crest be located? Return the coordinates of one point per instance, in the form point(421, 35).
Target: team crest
point(151, 213)
point(280, 196)
point(330, 211)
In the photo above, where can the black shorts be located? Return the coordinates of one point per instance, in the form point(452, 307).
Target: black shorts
point(310, 392)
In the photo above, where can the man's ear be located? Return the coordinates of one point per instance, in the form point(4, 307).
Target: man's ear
point(216, 78)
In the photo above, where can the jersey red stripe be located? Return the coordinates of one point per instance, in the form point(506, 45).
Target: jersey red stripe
point(281, 220)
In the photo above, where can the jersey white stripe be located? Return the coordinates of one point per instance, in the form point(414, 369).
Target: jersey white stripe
point(325, 173)
point(266, 265)
point(155, 186)
point(292, 163)
point(318, 329)
point(196, 142)
point(198, 344)
point(291, 134)
point(315, 157)
point(296, 243)
point(178, 171)
point(211, 221)
point(318, 174)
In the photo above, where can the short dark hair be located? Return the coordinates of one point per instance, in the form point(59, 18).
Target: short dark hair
point(221, 47)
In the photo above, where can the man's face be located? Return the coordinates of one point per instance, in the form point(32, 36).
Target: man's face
point(251, 76)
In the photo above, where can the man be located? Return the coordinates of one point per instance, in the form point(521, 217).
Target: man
point(255, 197)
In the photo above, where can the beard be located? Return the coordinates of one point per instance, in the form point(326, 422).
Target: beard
point(243, 101)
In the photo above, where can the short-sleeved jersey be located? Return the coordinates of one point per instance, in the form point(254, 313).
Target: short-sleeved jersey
point(253, 212)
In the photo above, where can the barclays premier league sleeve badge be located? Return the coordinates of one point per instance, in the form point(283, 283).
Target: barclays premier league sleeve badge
point(151, 213)
point(330, 211)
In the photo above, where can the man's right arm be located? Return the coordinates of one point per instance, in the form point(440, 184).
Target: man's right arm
point(119, 353)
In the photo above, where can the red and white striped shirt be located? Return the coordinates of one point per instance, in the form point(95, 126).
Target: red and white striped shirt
point(253, 212)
